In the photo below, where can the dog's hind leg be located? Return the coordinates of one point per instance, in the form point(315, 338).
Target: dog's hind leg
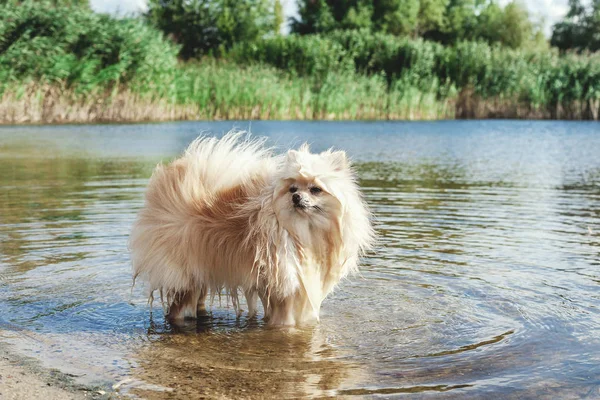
point(252, 300)
point(201, 302)
point(266, 307)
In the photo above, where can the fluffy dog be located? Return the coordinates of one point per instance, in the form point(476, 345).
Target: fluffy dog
point(229, 215)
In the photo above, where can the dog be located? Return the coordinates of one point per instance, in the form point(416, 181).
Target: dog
point(229, 215)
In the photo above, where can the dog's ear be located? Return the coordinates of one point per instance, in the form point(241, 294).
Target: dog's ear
point(338, 160)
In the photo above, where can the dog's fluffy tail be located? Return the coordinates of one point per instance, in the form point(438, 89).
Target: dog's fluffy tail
point(162, 240)
point(223, 163)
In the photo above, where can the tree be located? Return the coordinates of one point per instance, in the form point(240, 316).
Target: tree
point(357, 16)
point(211, 26)
point(320, 16)
point(510, 26)
point(431, 16)
point(315, 17)
point(446, 21)
point(460, 21)
point(67, 3)
point(278, 17)
point(580, 29)
point(399, 17)
point(518, 29)
point(396, 17)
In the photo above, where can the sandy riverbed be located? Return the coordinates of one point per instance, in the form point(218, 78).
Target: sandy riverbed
point(23, 379)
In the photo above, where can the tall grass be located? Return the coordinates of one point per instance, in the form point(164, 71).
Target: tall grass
point(491, 80)
point(222, 90)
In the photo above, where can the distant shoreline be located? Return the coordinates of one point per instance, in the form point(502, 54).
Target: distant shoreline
point(62, 63)
point(50, 106)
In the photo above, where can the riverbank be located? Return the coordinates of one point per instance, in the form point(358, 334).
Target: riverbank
point(22, 378)
point(55, 105)
point(218, 99)
point(18, 383)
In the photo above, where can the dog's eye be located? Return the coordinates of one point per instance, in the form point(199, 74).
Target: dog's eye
point(293, 189)
point(315, 190)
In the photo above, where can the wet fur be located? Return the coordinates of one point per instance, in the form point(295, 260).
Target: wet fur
point(221, 217)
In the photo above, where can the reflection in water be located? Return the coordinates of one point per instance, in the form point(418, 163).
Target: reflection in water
point(485, 283)
point(202, 361)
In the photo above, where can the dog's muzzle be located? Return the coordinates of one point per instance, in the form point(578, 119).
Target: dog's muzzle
point(297, 200)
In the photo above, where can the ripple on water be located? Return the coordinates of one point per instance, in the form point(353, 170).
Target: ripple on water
point(485, 281)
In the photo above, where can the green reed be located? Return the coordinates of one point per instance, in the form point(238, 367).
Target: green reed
point(214, 89)
point(521, 82)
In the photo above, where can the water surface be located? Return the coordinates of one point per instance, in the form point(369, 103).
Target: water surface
point(485, 283)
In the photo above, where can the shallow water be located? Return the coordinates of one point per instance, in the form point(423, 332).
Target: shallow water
point(485, 284)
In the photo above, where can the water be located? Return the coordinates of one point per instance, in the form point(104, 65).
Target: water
point(485, 284)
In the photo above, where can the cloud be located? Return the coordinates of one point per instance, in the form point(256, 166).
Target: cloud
point(548, 11)
point(118, 6)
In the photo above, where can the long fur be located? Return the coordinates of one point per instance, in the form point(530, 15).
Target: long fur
point(222, 217)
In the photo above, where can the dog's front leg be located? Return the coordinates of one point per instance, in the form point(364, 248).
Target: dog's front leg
point(281, 312)
point(187, 304)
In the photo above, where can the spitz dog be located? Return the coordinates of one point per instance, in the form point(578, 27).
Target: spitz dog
point(229, 215)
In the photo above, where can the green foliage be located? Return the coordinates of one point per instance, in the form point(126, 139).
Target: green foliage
point(395, 17)
point(227, 90)
point(580, 30)
point(345, 73)
point(278, 17)
point(431, 15)
point(460, 21)
point(73, 45)
point(60, 3)
point(446, 21)
point(401, 17)
point(537, 78)
point(510, 26)
point(304, 55)
point(211, 26)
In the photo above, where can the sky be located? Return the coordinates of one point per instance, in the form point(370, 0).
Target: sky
point(550, 10)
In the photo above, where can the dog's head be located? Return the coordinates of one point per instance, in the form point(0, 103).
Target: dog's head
point(310, 189)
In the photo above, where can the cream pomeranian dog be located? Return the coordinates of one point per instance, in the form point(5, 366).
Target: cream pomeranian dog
point(229, 215)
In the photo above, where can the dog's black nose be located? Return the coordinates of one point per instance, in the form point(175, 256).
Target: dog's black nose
point(296, 198)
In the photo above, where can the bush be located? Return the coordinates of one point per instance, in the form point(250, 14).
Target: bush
point(49, 43)
point(303, 55)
